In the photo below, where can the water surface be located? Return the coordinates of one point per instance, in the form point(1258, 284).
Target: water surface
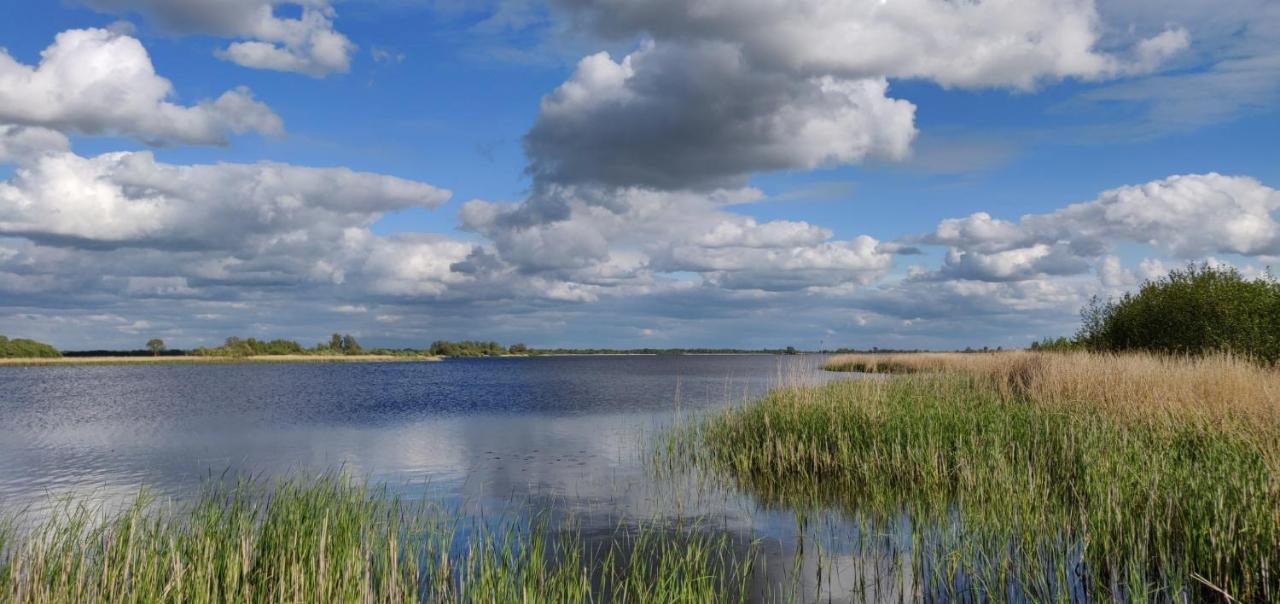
point(493, 436)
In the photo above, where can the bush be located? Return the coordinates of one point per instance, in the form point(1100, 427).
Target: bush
point(20, 348)
point(1195, 310)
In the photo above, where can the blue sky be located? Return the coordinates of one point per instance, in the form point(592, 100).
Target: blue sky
point(714, 180)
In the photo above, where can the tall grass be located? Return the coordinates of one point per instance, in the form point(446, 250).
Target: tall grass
point(328, 540)
point(1059, 476)
point(1218, 388)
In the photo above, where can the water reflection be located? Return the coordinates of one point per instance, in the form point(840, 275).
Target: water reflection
point(486, 436)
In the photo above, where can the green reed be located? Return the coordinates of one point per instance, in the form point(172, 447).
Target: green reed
point(330, 540)
point(1008, 499)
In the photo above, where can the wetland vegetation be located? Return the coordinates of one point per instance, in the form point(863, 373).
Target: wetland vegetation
point(1033, 476)
point(328, 539)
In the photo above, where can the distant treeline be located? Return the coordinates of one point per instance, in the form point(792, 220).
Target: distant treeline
point(1195, 310)
point(123, 353)
point(666, 351)
point(21, 348)
point(338, 344)
point(470, 348)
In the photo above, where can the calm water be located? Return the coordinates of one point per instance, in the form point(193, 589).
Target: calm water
point(487, 434)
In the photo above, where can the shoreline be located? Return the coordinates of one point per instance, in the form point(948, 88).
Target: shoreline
point(199, 360)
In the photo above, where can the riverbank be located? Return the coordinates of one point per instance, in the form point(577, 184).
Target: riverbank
point(1050, 476)
point(186, 360)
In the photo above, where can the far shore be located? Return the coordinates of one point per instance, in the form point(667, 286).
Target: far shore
point(185, 360)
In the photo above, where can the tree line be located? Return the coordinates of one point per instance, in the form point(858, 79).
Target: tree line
point(338, 344)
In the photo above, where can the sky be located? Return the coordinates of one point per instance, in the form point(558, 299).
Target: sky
point(623, 173)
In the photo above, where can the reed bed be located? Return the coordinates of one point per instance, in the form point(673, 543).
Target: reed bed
point(329, 540)
point(1059, 477)
point(1217, 387)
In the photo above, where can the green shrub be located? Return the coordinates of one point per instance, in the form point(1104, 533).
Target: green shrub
point(467, 349)
point(20, 348)
point(1195, 310)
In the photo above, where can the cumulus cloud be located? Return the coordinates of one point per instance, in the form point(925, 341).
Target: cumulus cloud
point(126, 235)
point(307, 44)
point(633, 234)
point(1187, 216)
point(675, 258)
point(702, 116)
point(22, 143)
point(717, 91)
point(637, 159)
point(130, 199)
point(95, 81)
point(1015, 43)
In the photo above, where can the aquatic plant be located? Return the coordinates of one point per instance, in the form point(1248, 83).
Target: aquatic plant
point(331, 540)
point(1028, 476)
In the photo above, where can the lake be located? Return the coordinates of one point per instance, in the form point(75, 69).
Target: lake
point(492, 436)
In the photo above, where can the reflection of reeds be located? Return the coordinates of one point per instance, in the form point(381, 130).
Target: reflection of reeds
point(1047, 475)
point(328, 540)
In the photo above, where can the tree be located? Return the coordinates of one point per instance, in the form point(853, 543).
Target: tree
point(156, 346)
point(335, 343)
point(350, 346)
point(1195, 310)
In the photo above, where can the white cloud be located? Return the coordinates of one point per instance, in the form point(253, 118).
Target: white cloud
point(748, 233)
point(130, 199)
point(24, 143)
point(1113, 274)
point(615, 238)
point(1015, 43)
point(307, 44)
point(1017, 264)
point(677, 258)
point(1188, 216)
point(701, 115)
point(95, 81)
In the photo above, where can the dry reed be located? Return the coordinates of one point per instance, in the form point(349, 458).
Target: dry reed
point(1220, 388)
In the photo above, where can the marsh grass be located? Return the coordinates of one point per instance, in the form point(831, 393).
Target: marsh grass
point(1050, 476)
point(331, 540)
